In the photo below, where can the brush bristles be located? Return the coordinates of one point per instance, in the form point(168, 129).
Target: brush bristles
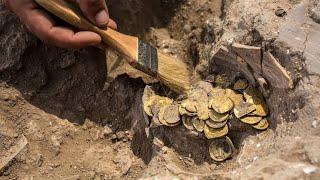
point(174, 73)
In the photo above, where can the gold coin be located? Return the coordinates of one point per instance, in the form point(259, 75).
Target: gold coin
point(202, 110)
point(183, 111)
point(158, 104)
point(260, 105)
point(235, 98)
point(147, 100)
point(199, 99)
point(161, 117)
point(216, 117)
point(162, 101)
point(191, 106)
point(216, 125)
point(147, 105)
point(212, 133)
point(262, 125)
point(250, 93)
point(221, 149)
point(251, 119)
point(243, 109)
point(171, 114)
point(221, 104)
point(216, 92)
point(187, 122)
point(150, 99)
point(197, 94)
point(240, 84)
point(198, 124)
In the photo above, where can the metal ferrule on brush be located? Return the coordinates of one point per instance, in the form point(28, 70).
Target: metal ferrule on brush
point(147, 58)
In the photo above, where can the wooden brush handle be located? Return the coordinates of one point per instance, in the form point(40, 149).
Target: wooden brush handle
point(69, 12)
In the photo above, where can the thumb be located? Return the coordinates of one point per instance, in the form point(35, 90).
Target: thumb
point(96, 11)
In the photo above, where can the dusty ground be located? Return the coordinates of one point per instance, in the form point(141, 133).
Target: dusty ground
point(81, 125)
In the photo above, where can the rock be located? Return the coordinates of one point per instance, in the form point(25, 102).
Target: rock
point(280, 12)
point(251, 54)
point(312, 46)
point(187, 28)
point(314, 124)
point(123, 161)
point(38, 160)
point(302, 34)
point(263, 85)
point(107, 131)
point(14, 40)
point(223, 57)
point(13, 152)
point(276, 75)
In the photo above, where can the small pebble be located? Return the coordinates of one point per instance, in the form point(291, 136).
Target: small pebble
point(187, 28)
point(314, 124)
point(280, 12)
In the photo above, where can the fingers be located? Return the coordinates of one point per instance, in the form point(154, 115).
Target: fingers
point(96, 11)
point(40, 23)
point(112, 24)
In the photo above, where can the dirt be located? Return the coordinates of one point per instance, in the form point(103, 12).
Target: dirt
point(80, 124)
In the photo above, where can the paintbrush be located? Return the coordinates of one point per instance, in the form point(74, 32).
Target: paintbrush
point(170, 71)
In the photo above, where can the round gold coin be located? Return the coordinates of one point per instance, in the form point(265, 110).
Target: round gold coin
point(221, 104)
point(202, 110)
point(235, 98)
point(216, 125)
point(241, 84)
point(183, 111)
point(187, 122)
point(243, 109)
point(251, 119)
point(217, 92)
point(217, 117)
point(161, 117)
point(198, 124)
point(260, 106)
point(147, 105)
point(212, 133)
point(171, 114)
point(221, 149)
point(147, 100)
point(197, 95)
point(191, 106)
point(262, 125)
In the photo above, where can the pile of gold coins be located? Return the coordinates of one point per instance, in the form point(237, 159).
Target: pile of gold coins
point(209, 109)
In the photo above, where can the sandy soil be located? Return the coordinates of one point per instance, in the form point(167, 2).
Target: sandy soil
point(82, 123)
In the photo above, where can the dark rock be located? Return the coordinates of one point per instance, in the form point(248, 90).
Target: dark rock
point(251, 54)
point(224, 57)
point(14, 40)
point(276, 75)
point(280, 12)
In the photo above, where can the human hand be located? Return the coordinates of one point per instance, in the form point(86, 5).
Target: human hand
point(41, 24)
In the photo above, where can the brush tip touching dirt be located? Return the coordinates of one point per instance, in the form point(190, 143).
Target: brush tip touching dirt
point(174, 73)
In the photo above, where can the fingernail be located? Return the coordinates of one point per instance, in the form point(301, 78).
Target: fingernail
point(102, 18)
